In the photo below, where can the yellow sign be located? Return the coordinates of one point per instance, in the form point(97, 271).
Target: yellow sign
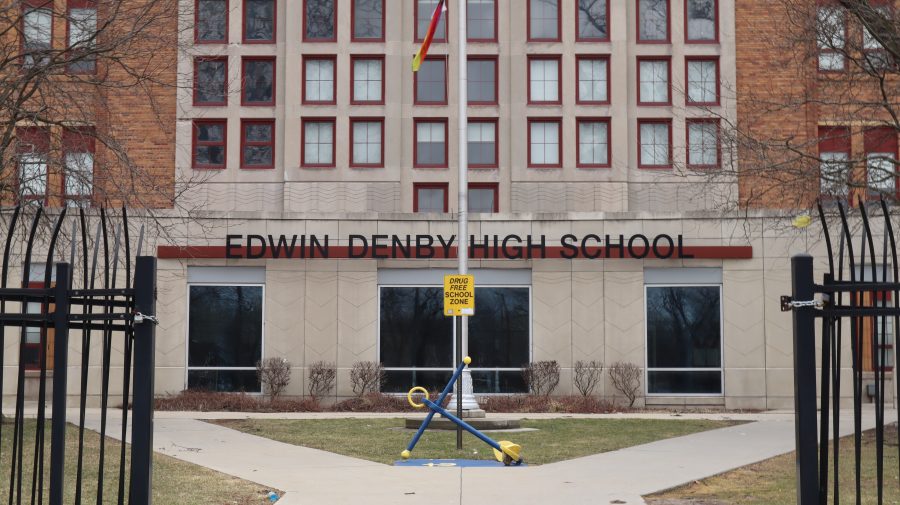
point(459, 295)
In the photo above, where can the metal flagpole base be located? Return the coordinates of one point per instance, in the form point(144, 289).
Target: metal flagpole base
point(469, 404)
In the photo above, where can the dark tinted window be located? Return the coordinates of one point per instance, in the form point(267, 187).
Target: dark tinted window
point(320, 19)
point(211, 20)
point(259, 21)
point(367, 19)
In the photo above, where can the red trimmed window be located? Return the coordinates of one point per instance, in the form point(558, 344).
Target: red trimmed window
point(653, 21)
point(81, 31)
point(701, 21)
point(319, 79)
point(654, 80)
point(702, 80)
point(37, 32)
point(367, 17)
point(544, 20)
point(210, 21)
point(484, 197)
point(78, 176)
point(834, 162)
point(545, 142)
point(367, 142)
point(209, 143)
point(319, 20)
point(594, 147)
point(482, 80)
point(430, 82)
point(876, 57)
point(592, 73)
point(260, 21)
point(210, 81)
point(703, 145)
point(544, 80)
point(592, 21)
point(831, 35)
point(654, 143)
point(32, 157)
point(367, 80)
point(317, 143)
point(430, 142)
point(257, 143)
point(881, 161)
point(481, 20)
point(481, 146)
point(258, 79)
point(430, 197)
point(424, 11)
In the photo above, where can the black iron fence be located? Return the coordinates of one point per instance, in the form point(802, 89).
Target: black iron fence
point(102, 292)
point(858, 295)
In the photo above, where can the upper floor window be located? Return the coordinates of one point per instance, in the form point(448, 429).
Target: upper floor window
point(544, 75)
point(593, 20)
point(318, 79)
point(32, 149)
point(430, 143)
point(876, 57)
point(881, 161)
point(831, 32)
point(257, 143)
point(655, 143)
point(430, 197)
point(482, 80)
point(593, 79)
point(368, 79)
point(544, 145)
point(82, 29)
point(703, 143)
point(543, 20)
point(368, 20)
point(318, 142)
point(367, 142)
point(78, 176)
point(209, 143)
point(593, 143)
point(481, 147)
point(653, 20)
point(483, 197)
point(834, 161)
point(431, 82)
point(259, 21)
point(702, 80)
point(701, 20)
point(481, 20)
point(424, 12)
point(211, 21)
point(210, 86)
point(258, 81)
point(37, 32)
point(654, 81)
point(319, 18)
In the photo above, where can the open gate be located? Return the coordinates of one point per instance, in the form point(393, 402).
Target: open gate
point(91, 288)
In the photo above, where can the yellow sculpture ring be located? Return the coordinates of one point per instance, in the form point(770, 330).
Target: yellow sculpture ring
point(409, 396)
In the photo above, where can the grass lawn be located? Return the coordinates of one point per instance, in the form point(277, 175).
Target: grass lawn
point(381, 440)
point(174, 481)
point(773, 482)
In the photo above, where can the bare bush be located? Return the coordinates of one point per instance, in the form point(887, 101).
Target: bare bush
point(541, 377)
point(587, 376)
point(626, 378)
point(274, 374)
point(321, 378)
point(366, 377)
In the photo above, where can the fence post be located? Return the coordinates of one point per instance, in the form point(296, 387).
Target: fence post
point(60, 385)
point(142, 401)
point(805, 381)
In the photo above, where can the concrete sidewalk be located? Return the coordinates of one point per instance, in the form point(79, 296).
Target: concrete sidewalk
point(310, 476)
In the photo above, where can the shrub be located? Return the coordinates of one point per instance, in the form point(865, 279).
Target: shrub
point(529, 404)
point(626, 378)
point(321, 378)
point(541, 377)
point(212, 401)
point(274, 374)
point(587, 376)
point(366, 377)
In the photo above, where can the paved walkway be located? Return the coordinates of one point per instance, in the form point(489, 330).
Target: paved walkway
point(310, 476)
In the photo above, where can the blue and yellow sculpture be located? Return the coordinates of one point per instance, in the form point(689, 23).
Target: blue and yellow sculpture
point(506, 452)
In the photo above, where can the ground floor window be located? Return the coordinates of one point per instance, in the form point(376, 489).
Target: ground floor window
point(225, 336)
point(684, 339)
point(417, 342)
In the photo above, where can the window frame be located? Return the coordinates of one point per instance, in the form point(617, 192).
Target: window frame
point(715, 39)
point(353, 59)
point(201, 59)
point(558, 37)
point(366, 119)
point(641, 164)
point(244, 61)
point(559, 78)
point(83, 4)
point(687, 133)
point(593, 119)
point(637, 33)
point(318, 119)
point(446, 123)
point(334, 78)
point(39, 138)
point(833, 139)
point(435, 40)
point(197, 40)
point(559, 123)
point(579, 38)
point(492, 40)
point(303, 25)
point(687, 100)
point(886, 143)
point(578, 59)
point(28, 5)
point(486, 57)
point(487, 185)
point(244, 143)
point(430, 185)
point(437, 57)
point(244, 39)
point(74, 141)
point(490, 120)
point(668, 60)
point(353, 37)
point(824, 4)
point(195, 143)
